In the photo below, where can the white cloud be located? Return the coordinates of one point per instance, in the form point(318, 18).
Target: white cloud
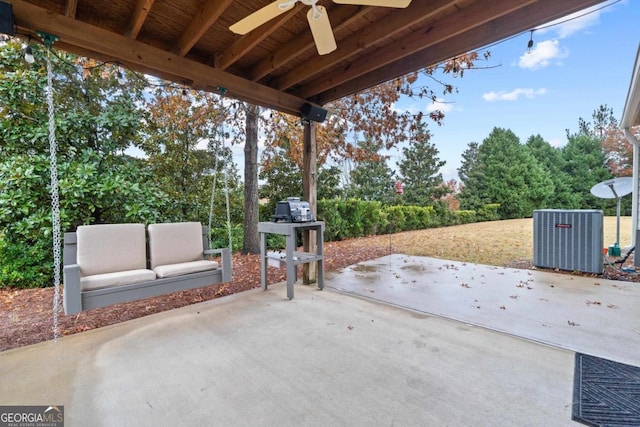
point(514, 94)
point(576, 22)
point(542, 55)
point(439, 105)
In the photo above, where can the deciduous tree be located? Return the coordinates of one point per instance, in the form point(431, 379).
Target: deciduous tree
point(183, 140)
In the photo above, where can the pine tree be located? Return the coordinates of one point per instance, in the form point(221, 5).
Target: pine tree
point(371, 178)
point(420, 169)
point(507, 174)
point(552, 162)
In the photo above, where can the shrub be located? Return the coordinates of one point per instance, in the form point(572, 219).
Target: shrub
point(488, 212)
point(26, 266)
point(220, 237)
point(350, 218)
point(465, 216)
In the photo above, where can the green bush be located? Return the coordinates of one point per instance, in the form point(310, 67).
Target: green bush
point(26, 266)
point(350, 218)
point(220, 237)
point(465, 216)
point(488, 212)
point(92, 189)
point(396, 219)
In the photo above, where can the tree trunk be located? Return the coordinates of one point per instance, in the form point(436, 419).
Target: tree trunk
point(251, 244)
point(310, 194)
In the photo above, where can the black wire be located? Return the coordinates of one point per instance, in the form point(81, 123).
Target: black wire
point(626, 256)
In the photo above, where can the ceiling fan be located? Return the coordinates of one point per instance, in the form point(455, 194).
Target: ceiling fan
point(317, 16)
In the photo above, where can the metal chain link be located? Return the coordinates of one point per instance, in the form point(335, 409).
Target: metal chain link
point(226, 193)
point(55, 200)
point(213, 194)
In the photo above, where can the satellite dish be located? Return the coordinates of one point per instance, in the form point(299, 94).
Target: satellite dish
point(613, 188)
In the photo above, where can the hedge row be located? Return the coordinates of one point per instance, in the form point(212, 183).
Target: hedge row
point(356, 218)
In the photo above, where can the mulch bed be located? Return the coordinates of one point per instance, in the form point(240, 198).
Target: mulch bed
point(26, 315)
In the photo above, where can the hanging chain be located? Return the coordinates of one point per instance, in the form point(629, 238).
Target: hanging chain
point(226, 190)
point(213, 194)
point(55, 200)
point(226, 195)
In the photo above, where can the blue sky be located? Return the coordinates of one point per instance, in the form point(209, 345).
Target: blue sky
point(572, 69)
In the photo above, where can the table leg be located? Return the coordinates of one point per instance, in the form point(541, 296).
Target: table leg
point(263, 260)
point(291, 267)
point(320, 268)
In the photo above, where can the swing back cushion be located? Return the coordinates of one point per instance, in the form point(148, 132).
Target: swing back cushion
point(112, 255)
point(176, 249)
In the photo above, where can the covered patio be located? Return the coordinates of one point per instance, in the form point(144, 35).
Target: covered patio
point(356, 353)
point(366, 357)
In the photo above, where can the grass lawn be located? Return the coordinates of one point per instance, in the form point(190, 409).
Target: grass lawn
point(495, 243)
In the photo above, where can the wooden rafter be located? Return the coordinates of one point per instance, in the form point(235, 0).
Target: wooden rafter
point(74, 34)
point(363, 39)
point(70, 9)
point(139, 15)
point(200, 24)
point(276, 64)
point(340, 18)
point(249, 41)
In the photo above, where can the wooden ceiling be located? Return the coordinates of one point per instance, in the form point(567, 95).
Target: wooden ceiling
point(277, 65)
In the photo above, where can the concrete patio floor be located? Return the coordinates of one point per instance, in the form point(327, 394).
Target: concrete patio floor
point(585, 314)
point(330, 358)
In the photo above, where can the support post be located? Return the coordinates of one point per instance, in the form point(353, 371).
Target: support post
point(636, 190)
point(310, 194)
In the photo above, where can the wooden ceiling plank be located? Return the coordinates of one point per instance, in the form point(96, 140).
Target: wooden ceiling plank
point(200, 24)
point(139, 15)
point(89, 38)
point(418, 11)
point(70, 9)
point(245, 43)
point(303, 41)
point(470, 17)
point(542, 12)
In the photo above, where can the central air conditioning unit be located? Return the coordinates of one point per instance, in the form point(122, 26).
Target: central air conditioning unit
point(568, 239)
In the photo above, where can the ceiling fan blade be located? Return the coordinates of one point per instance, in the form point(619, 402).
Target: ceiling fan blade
point(261, 16)
point(382, 3)
point(321, 30)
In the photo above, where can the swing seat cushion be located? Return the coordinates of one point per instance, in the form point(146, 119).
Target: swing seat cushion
point(172, 270)
point(117, 278)
point(111, 255)
point(177, 248)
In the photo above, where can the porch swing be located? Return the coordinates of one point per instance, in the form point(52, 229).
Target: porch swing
point(114, 263)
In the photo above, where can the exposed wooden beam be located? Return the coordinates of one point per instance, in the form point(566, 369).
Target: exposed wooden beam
point(88, 38)
point(246, 43)
point(70, 8)
point(303, 41)
point(200, 24)
point(398, 21)
point(541, 12)
point(139, 15)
